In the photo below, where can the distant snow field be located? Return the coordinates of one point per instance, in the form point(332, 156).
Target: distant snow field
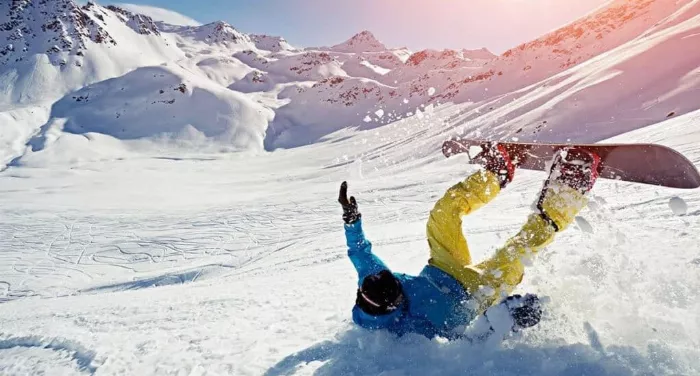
point(168, 193)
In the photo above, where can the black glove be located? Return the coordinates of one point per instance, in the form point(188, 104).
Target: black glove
point(526, 311)
point(350, 212)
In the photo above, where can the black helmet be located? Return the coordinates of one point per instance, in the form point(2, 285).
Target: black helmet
point(380, 294)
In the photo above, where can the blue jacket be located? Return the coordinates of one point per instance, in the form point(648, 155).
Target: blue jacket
point(435, 305)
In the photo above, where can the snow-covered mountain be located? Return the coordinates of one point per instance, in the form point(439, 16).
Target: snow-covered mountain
point(52, 47)
point(602, 75)
point(613, 25)
point(489, 87)
point(361, 42)
point(449, 59)
point(216, 33)
point(160, 14)
point(271, 43)
point(165, 103)
point(55, 47)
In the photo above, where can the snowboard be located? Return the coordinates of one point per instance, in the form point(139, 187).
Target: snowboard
point(638, 163)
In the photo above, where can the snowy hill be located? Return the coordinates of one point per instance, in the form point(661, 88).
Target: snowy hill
point(238, 265)
point(149, 103)
point(534, 74)
point(607, 62)
point(447, 59)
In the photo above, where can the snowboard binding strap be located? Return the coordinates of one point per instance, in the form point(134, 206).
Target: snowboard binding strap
point(573, 167)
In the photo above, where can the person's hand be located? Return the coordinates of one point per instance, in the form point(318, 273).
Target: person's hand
point(350, 212)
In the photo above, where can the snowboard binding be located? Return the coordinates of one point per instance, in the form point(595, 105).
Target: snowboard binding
point(495, 158)
point(573, 167)
point(576, 168)
point(635, 163)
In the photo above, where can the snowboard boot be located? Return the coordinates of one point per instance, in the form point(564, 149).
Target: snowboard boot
point(494, 157)
point(572, 175)
point(513, 314)
point(526, 311)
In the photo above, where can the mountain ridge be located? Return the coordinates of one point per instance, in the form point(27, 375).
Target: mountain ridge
point(55, 48)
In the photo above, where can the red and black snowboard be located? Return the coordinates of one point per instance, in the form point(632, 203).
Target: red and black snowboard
point(638, 163)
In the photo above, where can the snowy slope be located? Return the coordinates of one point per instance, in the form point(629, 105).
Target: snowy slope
point(478, 54)
point(363, 84)
point(153, 103)
point(130, 244)
point(237, 265)
point(296, 67)
point(448, 59)
point(58, 48)
point(616, 23)
point(17, 126)
point(608, 59)
point(626, 88)
point(215, 33)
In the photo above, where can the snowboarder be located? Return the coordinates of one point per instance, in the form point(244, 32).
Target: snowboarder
point(451, 297)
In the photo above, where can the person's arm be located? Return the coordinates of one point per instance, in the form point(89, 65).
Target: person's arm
point(360, 251)
point(359, 248)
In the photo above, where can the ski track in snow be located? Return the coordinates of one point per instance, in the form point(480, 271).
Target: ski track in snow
point(237, 265)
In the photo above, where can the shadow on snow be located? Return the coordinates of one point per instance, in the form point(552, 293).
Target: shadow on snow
point(358, 352)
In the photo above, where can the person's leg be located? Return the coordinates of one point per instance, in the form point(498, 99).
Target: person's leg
point(448, 247)
point(561, 198)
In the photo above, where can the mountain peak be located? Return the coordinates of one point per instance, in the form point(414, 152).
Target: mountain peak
point(363, 41)
point(449, 58)
point(364, 34)
point(270, 42)
point(478, 54)
point(218, 32)
point(138, 22)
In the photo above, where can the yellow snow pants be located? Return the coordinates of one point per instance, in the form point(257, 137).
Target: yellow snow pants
point(488, 282)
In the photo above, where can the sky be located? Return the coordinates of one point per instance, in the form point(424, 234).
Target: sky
point(416, 24)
